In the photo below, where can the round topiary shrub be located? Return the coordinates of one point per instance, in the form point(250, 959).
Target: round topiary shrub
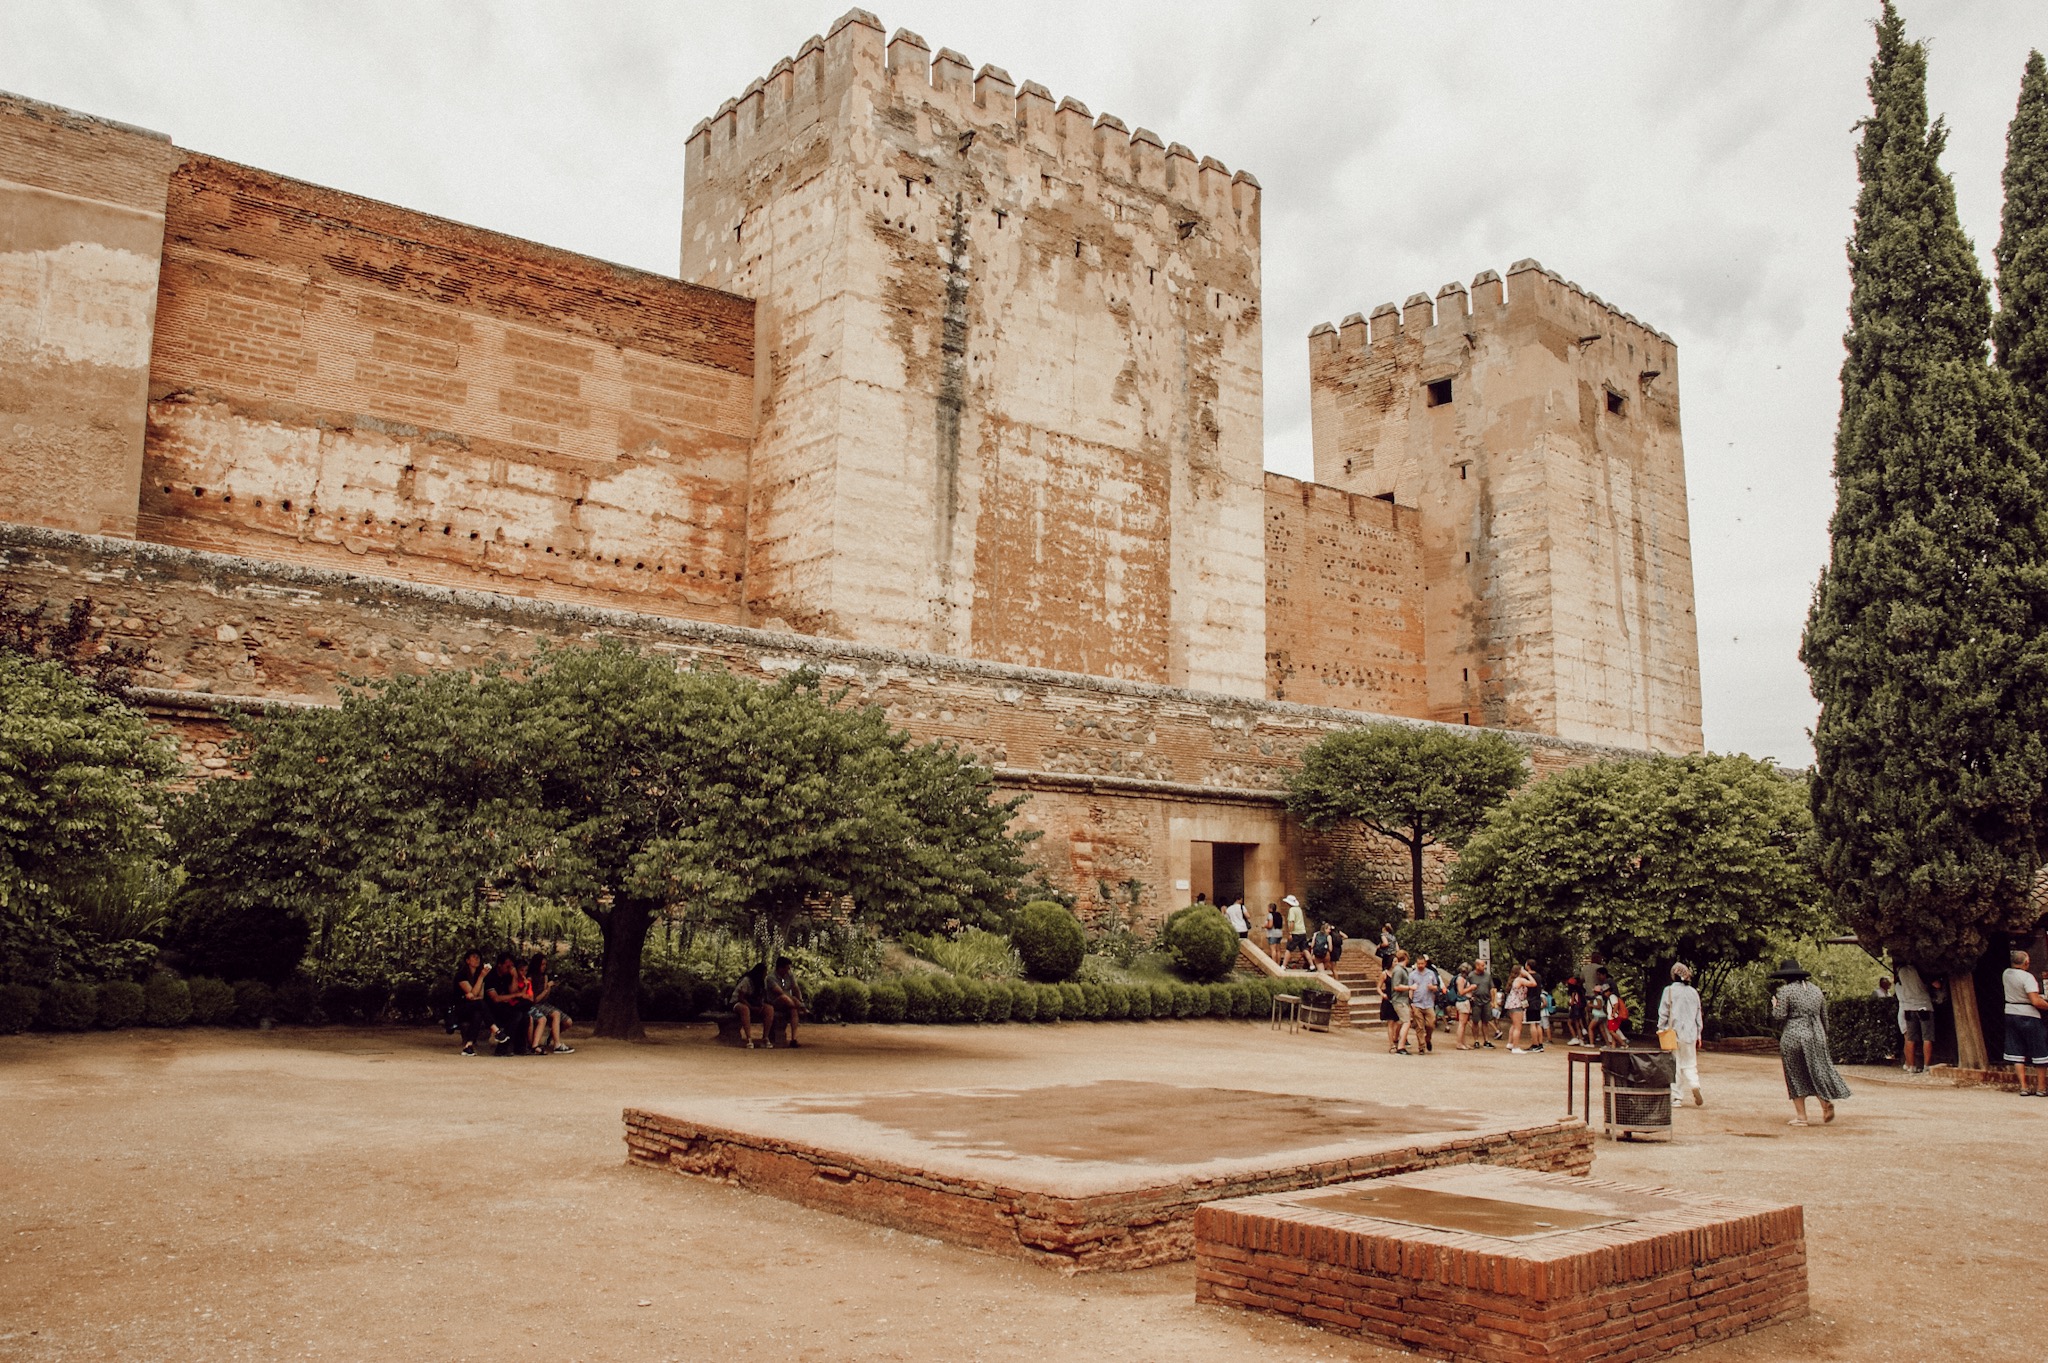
point(166, 1001)
point(121, 1003)
point(296, 1001)
point(19, 1004)
point(213, 1002)
point(1023, 1001)
point(254, 1001)
point(1052, 1004)
point(946, 990)
point(70, 1006)
point(824, 1002)
point(1116, 1001)
point(1240, 999)
point(1162, 999)
point(997, 1006)
point(338, 1002)
point(1094, 1001)
point(920, 1000)
point(1201, 942)
point(1187, 1000)
point(886, 1001)
point(973, 999)
point(1048, 940)
point(1073, 1001)
point(853, 1001)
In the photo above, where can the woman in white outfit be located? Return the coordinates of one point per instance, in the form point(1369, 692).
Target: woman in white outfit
point(1679, 1012)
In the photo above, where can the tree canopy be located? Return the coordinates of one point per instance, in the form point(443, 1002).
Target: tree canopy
point(2019, 332)
point(1419, 785)
point(1697, 858)
point(82, 783)
point(1925, 644)
point(608, 779)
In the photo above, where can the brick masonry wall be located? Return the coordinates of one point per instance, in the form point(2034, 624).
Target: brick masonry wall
point(1113, 1231)
point(340, 382)
point(1641, 1290)
point(1121, 775)
point(1344, 600)
point(81, 232)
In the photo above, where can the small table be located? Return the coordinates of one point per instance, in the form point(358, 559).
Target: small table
point(1287, 1011)
point(1573, 1059)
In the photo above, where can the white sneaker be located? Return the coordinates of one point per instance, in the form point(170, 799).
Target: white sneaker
point(1516, 1050)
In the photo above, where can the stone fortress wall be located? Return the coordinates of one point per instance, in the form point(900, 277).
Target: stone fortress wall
point(963, 405)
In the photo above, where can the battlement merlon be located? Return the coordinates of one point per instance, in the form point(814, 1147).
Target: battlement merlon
point(800, 89)
point(1528, 286)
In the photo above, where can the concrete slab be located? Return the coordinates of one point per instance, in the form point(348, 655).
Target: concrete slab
point(1502, 1265)
point(1079, 1177)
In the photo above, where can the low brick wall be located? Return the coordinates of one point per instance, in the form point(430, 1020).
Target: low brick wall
point(1128, 1228)
point(1677, 1271)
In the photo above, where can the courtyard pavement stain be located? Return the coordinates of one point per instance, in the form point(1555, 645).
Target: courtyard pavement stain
point(343, 1194)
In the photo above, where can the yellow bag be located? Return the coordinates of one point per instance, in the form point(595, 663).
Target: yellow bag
point(1667, 1040)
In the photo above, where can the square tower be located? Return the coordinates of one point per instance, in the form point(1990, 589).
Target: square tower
point(1535, 428)
point(1009, 381)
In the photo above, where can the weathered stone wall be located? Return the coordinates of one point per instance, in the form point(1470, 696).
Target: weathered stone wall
point(1344, 600)
point(1537, 432)
point(1123, 776)
point(1010, 396)
point(336, 381)
point(81, 232)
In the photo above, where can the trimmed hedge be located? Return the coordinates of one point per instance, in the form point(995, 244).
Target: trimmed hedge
point(213, 1002)
point(19, 1004)
point(1863, 1031)
point(1049, 941)
point(70, 1006)
point(121, 1003)
point(886, 1001)
point(166, 1001)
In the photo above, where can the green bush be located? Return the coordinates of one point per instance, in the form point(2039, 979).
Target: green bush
point(212, 1001)
point(166, 1001)
point(975, 953)
point(1049, 941)
point(886, 1001)
point(946, 990)
point(413, 1000)
point(1241, 996)
point(237, 939)
point(1094, 1002)
point(1188, 1001)
point(853, 1001)
point(920, 1000)
point(1073, 1001)
point(1162, 999)
point(254, 1001)
point(668, 993)
point(824, 1002)
point(997, 1006)
point(1201, 942)
point(1863, 1031)
point(1023, 1001)
point(1052, 1004)
point(121, 1003)
point(296, 1001)
point(354, 1002)
point(70, 1006)
point(19, 1004)
point(1137, 1001)
point(973, 999)
point(1216, 998)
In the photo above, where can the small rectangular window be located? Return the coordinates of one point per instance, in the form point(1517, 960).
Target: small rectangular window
point(1468, 716)
point(1439, 391)
point(1617, 405)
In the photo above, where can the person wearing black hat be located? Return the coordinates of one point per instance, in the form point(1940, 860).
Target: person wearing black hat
point(1803, 1045)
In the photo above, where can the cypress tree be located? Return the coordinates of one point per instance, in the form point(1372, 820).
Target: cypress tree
point(2020, 331)
point(1924, 643)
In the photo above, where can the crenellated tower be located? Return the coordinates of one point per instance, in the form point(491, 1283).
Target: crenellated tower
point(1009, 386)
point(1535, 429)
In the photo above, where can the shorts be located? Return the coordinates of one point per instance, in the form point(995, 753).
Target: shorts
point(1918, 1025)
point(1465, 1006)
point(1401, 1009)
point(1298, 942)
point(1272, 936)
point(2026, 1040)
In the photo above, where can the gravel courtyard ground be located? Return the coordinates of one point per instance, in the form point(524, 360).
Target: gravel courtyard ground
point(365, 1194)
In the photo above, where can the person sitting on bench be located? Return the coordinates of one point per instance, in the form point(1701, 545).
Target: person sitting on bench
point(510, 997)
point(784, 995)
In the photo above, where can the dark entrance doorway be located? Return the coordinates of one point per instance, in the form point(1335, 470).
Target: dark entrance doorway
point(1227, 870)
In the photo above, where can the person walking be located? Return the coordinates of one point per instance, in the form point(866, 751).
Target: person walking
point(1803, 1045)
point(1482, 1004)
point(2026, 1034)
point(1297, 931)
point(1239, 924)
point(1400, 985)
point(1275, 930)
point(1461, 999)
point(1916, 1020)
point(1678, 1013)
point(1519, 985)
point(1423, 987)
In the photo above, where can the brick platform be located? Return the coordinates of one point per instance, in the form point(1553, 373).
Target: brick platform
point(1078, 1177)
point(1573, 1269)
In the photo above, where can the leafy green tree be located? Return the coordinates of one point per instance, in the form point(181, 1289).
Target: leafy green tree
point(82, 780)
point(1696, 858)
point(1420, 786)
point(2019, 332)
point(608, 780)
point(1925, 644)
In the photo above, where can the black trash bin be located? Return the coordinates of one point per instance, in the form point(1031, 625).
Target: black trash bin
point(1636, 1091)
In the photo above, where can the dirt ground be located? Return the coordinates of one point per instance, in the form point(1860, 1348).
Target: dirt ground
point(366, 1194)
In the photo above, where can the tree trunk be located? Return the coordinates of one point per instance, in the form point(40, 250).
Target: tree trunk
point(625, 939)
point(1962, 994)
point(1415, 910)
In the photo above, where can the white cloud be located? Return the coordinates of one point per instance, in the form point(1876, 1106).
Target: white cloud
point(1690, 162)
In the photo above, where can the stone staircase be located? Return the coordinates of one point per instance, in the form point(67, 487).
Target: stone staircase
point(1252, 960)
point(1359, 972)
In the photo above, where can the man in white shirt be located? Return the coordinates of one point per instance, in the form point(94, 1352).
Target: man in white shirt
point(1916, 1019)
point(1238, 923)
point(2026, 1032)
point(1679, 1012)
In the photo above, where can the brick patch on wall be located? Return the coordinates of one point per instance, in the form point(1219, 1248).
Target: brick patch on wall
point(1672, 1271)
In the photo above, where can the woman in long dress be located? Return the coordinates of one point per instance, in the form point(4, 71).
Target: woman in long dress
point(1803, 1045)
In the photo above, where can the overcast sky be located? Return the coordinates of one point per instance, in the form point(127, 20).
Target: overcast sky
point(1691, 163)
